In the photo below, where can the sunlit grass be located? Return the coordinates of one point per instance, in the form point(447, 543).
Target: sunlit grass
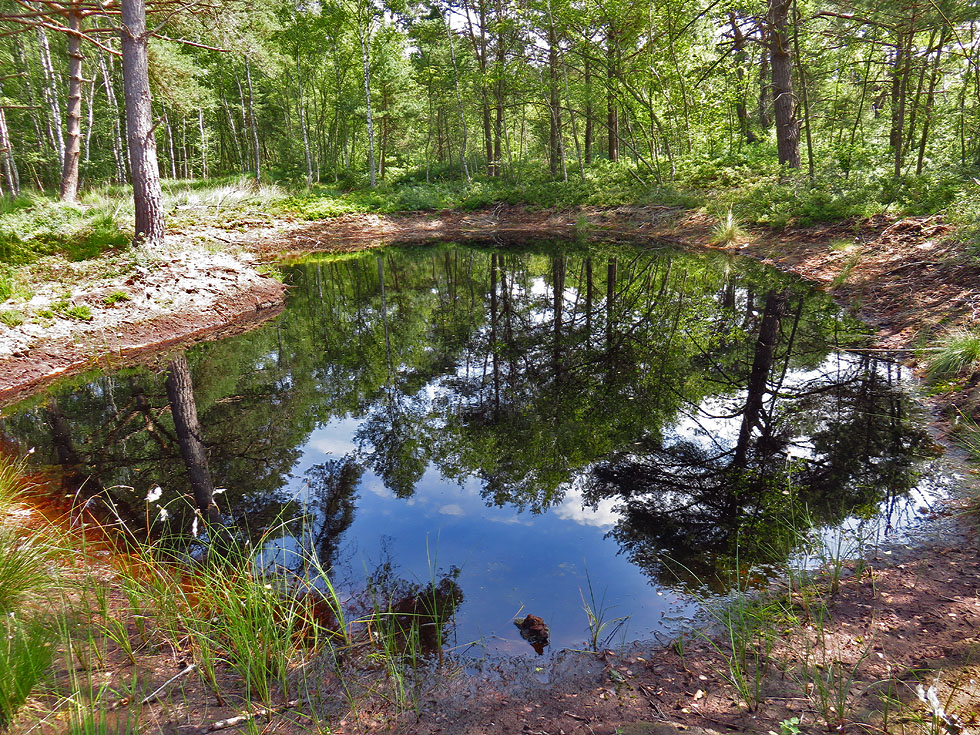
point(955, 352)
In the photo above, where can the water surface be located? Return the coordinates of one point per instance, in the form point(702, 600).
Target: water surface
point(553, 426)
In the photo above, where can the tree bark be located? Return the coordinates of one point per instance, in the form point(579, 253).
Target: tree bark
point(612, 112)
point(147, 192)
point(180, 393)
point(73, 141)
point(787, 128)
point(366, 62)
point(254, 124)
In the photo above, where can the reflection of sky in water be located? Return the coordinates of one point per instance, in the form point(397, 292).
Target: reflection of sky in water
point(512, 563)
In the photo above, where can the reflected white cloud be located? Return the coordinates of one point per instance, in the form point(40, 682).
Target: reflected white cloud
point(452, 509)
point(573, 508)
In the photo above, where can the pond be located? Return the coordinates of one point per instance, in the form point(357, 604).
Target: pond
point(551, 427)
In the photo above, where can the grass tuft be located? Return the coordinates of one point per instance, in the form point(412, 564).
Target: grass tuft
point(956, 352)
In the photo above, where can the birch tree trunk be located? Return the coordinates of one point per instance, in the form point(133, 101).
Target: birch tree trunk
point(118, 151)
point(73, 140)
point(459, 102)
point(7, 164)
point(147, 192)
point(365, 59)
point(204, 143)
point(50, 91)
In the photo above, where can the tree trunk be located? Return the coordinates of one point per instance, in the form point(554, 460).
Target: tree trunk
point(118, 151)
point(8, 166)
point(366, 61)
point(255, 126)
point(613, 115)
point(204, 143)
point(51, 95)
point(588, 111)
point(741, 112)
point(787, 129)
point(147, 192)
point(180, 393)
point(302, 123)
point(459, 103)
point(765, 82)
point(73, 142)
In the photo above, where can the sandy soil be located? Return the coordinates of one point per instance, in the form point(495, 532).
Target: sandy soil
point(907, 617)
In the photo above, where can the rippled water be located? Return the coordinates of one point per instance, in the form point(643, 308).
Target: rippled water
point(552, 426)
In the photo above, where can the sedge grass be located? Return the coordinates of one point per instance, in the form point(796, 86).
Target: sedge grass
point(954, 353)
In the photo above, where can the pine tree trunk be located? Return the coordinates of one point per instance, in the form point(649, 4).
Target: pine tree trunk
point(180, 393)
point(204, 143)
point(73, 140)
point(147, 191)
point(787, 129)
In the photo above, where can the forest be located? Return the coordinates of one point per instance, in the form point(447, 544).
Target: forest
point(876, 103)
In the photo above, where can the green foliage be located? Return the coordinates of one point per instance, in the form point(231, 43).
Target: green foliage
point(11, 317)
point(955, 352)
point(26, 652)
point(116, 297)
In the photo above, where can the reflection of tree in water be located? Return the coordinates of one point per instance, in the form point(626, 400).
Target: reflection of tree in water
point(527, 371)
point(329, 509)
point(837, 447)
point(404, 609)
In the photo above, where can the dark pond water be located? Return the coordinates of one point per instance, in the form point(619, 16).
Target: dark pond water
point(545, 421)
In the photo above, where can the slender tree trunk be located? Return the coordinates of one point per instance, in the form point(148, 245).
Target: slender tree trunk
point(147, 192)
point(170, 146)
point(51, 94)
point(118, 150)
point(612, 112)
point(302, 123)
point(8, 166)
point(587, 143)
point(787, 128)
point(366, 62)
point(741, 57)
point(254, 123)
point(930, 99)
point(204, 143)
point(90, 122)
point(765, 81)
point(180, 393)
point(811, 166)
point(459, 102)
point(73, 141)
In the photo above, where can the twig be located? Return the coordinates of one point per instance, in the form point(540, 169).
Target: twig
point(238, 720)
point(156, 695)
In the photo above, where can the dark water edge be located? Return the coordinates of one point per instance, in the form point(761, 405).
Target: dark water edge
point(538, 429)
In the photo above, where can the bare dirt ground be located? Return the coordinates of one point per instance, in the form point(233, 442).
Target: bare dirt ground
point(902, 619)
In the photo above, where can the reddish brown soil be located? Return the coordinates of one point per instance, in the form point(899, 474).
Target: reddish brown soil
point(903, 619)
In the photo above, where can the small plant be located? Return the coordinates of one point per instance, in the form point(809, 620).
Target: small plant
point(82, 313)
point(790, 726)
point(597, 612)
point(728, 230)
point(956, 352)
point(116, 297)
point(11, 318)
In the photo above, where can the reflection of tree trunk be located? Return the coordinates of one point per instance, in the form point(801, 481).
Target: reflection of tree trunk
point(180, 392)
point(493, 337)
point(765, 352)
point(61, 435)
point(610, 298)
point(588, 298)
point(558, 275)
